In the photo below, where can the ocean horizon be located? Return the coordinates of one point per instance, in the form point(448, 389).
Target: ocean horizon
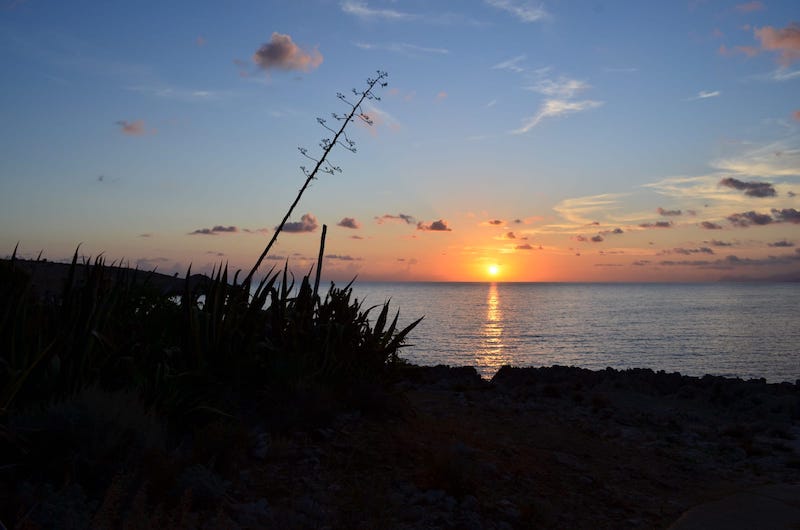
point(733, 329)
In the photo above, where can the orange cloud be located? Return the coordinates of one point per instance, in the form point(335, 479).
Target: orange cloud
point(132, 128)
point(784, 40)
point(282, 53)
point(796, 115)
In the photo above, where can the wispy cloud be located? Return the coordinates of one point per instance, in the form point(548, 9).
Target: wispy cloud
point(402, 47)
point(362, 10)
point(283, 54)
point(705, 94)
point(780, 158)
point(555, 107)
point(560, 100)
point(585, 210)
point(177, 93)
point(511, 64)
point(562, 88)
point(523, 11)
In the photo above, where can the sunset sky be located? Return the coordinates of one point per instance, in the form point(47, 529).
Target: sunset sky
point(631, 141)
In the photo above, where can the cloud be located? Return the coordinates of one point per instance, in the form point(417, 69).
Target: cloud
point(401, 217)
point(690, 251)
point(356, 237)
point(561, 88)
point(580, 239)
point(749, 7)
point(526, 246)
point(781, 244)
point(750, 218)
point(349, 222)
point(283, 54)
point(796, 115)
point(434, 226)
point(787, 215)
point(511, 64)
point(523, 11)
point(256, 230)
point(732, 261)
point(555, 107)
point(784, 40)
point(307, 223)
point(442, 95)
point(657, 224)
point(132, 128)
point(718, 243)
point(179, 93)
point(751, 189)
point(362, 10)
point(777, 159)
point(705, 94)
point(340, 257)
point(641, 263)
point(708, 225)
point(597, 239)
point(495, 222)
point(402, 47)
point(615, 231)
point(219, 229)
point(146, 235)
point(582, 210)
point(200, 40)
point(668, 213)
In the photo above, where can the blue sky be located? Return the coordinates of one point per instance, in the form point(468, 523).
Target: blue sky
point(544, 137)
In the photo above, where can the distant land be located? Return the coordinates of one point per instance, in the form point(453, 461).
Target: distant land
point(48, 277)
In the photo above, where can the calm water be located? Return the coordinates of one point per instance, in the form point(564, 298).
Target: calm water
point(730, 329)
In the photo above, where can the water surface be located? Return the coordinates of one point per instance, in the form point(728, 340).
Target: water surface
point(732, 329)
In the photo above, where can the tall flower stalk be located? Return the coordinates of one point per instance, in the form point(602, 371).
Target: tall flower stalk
point(327, 144)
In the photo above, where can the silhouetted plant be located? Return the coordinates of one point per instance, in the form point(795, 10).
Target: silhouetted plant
point(327, 144)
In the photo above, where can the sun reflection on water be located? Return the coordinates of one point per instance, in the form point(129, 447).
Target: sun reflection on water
point(492, 351)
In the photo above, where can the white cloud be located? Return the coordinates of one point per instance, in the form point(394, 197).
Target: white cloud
point(772, 160)
point(362, 10)
point(511, 64)
point(524, 11)
point(705, 94)
point(402, 47)
point(555, 107)
point(585, 210)
point(563, 87)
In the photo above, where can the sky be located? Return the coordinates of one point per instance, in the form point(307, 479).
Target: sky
point(515, 140)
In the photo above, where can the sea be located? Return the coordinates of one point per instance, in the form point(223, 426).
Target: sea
point(746, 330)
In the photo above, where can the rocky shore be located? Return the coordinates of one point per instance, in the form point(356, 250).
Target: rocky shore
point(440, 447)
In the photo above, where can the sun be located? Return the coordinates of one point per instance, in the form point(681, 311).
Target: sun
point(493, 270)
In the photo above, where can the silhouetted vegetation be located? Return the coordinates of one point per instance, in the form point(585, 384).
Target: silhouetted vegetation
point(114, 371)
